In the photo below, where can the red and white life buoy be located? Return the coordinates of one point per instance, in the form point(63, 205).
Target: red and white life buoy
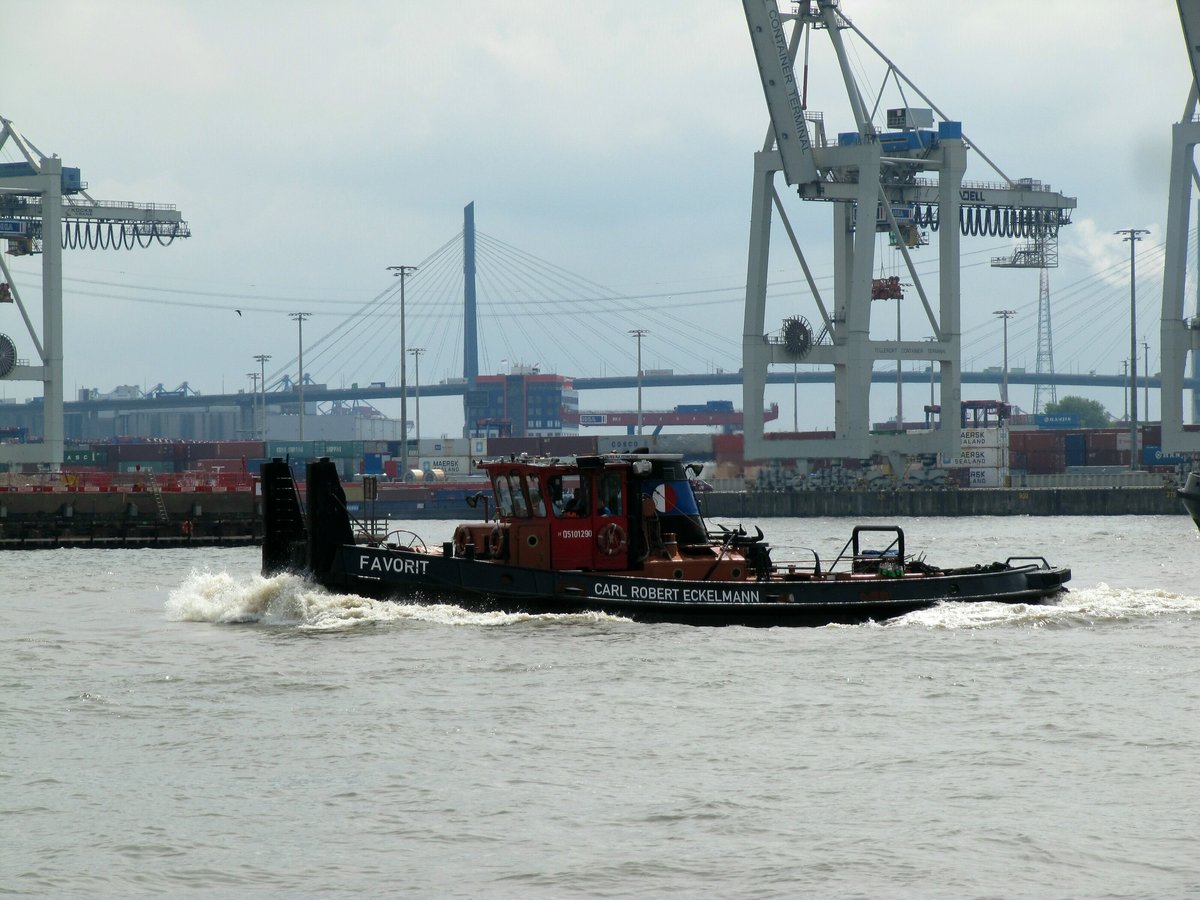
point(611, 539)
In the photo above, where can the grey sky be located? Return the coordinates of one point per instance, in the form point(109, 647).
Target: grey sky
point(312, 145)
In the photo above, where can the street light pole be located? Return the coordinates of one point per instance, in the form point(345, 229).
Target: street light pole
point(639, 333)
point(300, 317)
point(1004, 314)
point(262, 367)
point(1146, 380)
point(1132, 235)
point(899, 378)
point(416, 355)
point(402, 272)
point(1125, 366)
point(253, 376)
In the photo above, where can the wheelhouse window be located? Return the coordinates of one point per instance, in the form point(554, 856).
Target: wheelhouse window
point(564, 495)
point(504, 504)
point(519, 503)
point(611, 499)
point(537, 503)
point(576, 496)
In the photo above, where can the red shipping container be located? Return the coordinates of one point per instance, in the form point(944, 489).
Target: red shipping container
point(569, 445)
point(728, 444)
point(514, 445)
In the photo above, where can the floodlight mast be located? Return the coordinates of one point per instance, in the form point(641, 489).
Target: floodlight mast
point(44, 207)
point(875, 183)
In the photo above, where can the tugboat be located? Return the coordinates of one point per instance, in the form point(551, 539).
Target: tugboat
point(1190, 495)
point(619, 534)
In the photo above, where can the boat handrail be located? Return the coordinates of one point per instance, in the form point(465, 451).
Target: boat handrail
point(858, 556)
point(1038, 559)
point(792, 564)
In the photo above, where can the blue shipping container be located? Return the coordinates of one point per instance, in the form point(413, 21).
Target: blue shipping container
point(1075, 446)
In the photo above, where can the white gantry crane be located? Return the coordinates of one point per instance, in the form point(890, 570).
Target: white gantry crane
point(904, 178)
point(44, 207)
point(1180, 333)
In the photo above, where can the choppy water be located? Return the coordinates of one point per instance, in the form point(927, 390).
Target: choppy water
point(173, 723)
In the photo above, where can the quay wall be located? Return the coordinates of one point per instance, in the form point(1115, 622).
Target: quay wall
point(1143, 501)
point(128, 518)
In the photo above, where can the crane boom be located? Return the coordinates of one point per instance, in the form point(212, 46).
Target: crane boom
point(1189, 18)
point(778, 75)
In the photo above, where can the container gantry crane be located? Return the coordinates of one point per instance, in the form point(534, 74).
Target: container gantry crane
point(44, 207)
point(901, 179)
point(1180, 334)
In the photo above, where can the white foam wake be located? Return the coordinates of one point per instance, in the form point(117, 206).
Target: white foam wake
point(1087, 606)
point(289, 600)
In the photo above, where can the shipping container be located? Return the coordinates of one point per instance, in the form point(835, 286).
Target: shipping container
point(693, 446)
point(571, 445)
point(123, 453)
point(1037, 441)
point(221, 450)
point(506, 446)
point(1075, 449)
point(451, 465)
point(1104, 440)
point(983, 437)
point(216, 466)
point(444, 447)
point(343, 449)
point(983, 478)
point(978, 458)
point(148, 467)
point(728, 444)
point(1050, 462)
point(295, 449)
point(1106, 457)
point(625, 443)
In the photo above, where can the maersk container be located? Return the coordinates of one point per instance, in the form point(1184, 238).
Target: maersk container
point(455, 466)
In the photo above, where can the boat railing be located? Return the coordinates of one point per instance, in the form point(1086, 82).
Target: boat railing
point(396, 539)
point(863, 560)
point(1027, 559)
point(791, 567)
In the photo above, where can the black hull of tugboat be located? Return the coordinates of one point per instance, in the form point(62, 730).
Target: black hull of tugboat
point(1190, 495)
point(487, 586)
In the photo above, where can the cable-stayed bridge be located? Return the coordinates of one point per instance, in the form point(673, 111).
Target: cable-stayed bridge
point(319, 394)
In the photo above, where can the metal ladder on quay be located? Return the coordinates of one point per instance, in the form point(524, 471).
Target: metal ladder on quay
point(159, 502)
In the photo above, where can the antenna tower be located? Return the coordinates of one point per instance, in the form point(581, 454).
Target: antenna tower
point(1039, 253)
